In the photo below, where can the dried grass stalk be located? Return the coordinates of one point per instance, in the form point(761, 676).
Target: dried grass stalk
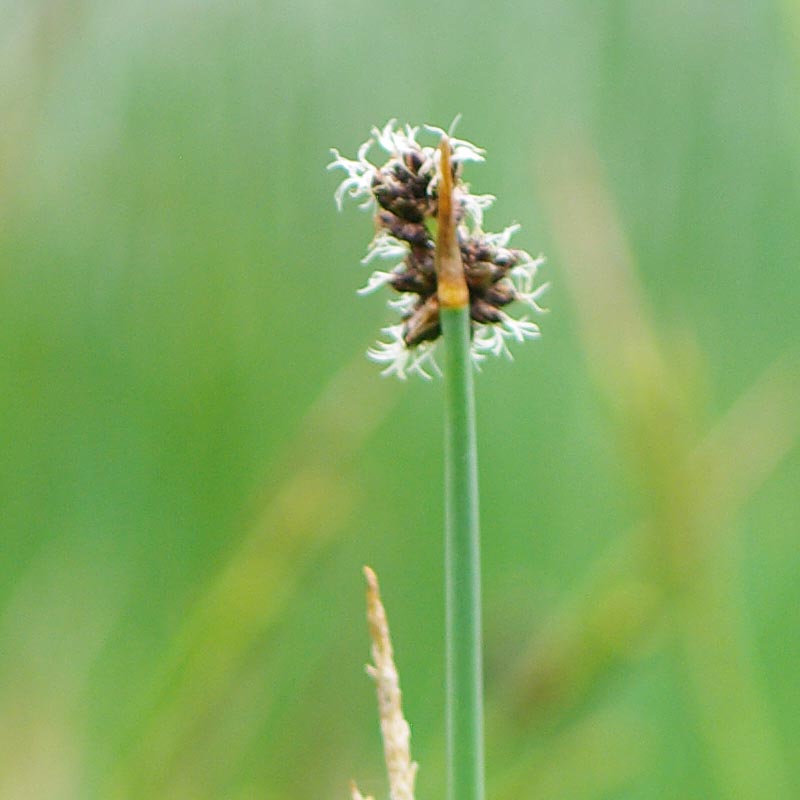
point(394, 728)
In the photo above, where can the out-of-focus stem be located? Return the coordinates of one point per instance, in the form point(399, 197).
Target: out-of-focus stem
point(394, 728)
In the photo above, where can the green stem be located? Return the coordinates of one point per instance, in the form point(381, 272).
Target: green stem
point(462, 566)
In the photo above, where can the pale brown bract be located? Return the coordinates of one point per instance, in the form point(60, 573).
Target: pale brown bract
point(452, 284)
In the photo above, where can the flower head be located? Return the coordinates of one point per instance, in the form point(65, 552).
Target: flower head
point(403, 196)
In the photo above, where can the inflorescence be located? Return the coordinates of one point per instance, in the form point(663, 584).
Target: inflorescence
point(403, 196)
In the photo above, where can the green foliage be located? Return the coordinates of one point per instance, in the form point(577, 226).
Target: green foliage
point(197, 459)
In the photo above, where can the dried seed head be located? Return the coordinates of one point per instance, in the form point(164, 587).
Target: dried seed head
point(396, 732)
point(419, 191)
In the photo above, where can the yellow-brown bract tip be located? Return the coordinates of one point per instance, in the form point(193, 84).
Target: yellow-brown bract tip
point(452, 285)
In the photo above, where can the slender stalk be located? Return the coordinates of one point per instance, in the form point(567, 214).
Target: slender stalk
point(462, 567)
point(462, 551)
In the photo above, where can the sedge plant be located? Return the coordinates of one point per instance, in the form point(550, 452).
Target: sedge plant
point(453, 285)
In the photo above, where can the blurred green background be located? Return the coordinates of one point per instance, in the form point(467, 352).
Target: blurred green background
point(197, 459)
